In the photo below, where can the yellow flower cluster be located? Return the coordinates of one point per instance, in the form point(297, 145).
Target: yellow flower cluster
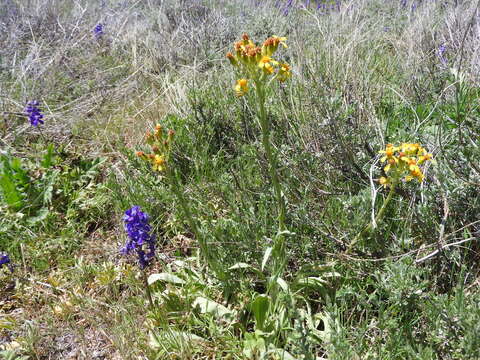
point(403, 160)
point(160, 145)
point(256, 63)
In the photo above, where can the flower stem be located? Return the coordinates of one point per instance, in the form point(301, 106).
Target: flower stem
point(147, 290)
point(205, 252)
point(378, 218)
point(279, 255)
point(265, 126)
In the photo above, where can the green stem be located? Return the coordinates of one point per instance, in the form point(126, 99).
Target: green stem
point(270, 156)
point(378, 218)
point(279, 255)
point(147, 290)
point(204, 251)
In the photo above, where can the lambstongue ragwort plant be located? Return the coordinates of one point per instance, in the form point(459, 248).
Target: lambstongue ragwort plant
point(256, 65)
point(161, 143)
point(402, 163)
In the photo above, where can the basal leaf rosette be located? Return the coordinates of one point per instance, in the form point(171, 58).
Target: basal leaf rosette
point(255, 63)
point(403, 162)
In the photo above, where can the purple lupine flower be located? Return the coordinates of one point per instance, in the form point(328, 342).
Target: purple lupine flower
point(441, 51)
point(34, 114)
point(287, 7)
point(140, 240)
point(5, 260)
point(98, 30)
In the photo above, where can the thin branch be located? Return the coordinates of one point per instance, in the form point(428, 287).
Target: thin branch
point(432, 254)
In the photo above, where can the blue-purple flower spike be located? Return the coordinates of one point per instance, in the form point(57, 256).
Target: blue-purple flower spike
point(34, 114)
point(441, 52)
point(98, 30)
point(140, 238)
point(5, 260)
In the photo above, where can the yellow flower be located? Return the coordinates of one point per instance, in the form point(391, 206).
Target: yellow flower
point(284, 72)
point(416, 172)
point(266, 64)
point(391, 162)
point(158, 163)
point(389, 152)
point(242, 87)
point(384, 181)
point(423, 158)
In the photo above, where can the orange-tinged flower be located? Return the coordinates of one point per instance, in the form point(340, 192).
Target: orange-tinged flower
point(404, 160)
point(242, 87)
point(271, 45)
point(423, 158)
point(232, 59)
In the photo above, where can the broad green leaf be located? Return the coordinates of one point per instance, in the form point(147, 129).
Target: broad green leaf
point(284, 355)
point(253, 346)
point(246, 266)
point(212, 307)
point(178, 336)
point(165, 277)
point(259, 306)
point(13, 198)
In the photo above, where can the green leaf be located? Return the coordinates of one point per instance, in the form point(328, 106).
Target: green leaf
point(245, 266)
point(266, 256)
point(47, 160)
point(260, 306)
point(284, 355)
point(41, 215)
point(165, 277)
point(283, 284)
point(253, 346)
point(11, 195)
point(212, 307)
point(179, 336)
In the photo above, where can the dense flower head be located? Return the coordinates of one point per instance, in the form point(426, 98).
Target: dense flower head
point(403, 161)
point(34, 114)
point(139, 234)
point(256, 63)
point(98, 30)
point(5, 260)
point(160, 144)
